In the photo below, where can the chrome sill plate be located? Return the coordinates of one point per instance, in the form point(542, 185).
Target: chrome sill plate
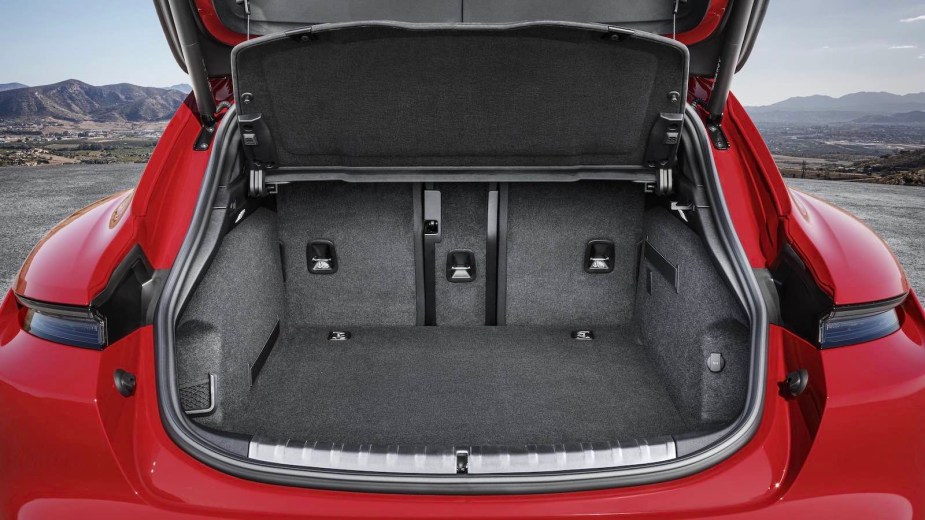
point(483, 460)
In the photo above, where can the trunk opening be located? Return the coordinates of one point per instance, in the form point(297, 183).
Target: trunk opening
point(652, 348)
point(490, 273)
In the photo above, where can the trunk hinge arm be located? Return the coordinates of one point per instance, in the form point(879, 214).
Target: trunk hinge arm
point(187, 34)
point(729, 58)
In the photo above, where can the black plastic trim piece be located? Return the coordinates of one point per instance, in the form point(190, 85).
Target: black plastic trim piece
point(125, 382)
point(664, 139)
point(501, 300)
point(417, 192)
point(796, 382)
point(261, 360)
point(661, 264)
point(802, 303)
point(128, 299)
point(191, 439)
point(491, 258)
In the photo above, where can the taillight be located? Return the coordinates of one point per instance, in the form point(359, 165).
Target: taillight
point(75, 326)
point(849, 325)
point(123, 306)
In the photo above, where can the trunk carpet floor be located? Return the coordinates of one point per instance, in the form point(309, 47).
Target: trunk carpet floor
point(459, 386)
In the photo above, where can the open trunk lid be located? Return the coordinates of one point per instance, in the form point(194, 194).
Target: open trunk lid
point(541, 96)
point(706, 26)
point(719, 34)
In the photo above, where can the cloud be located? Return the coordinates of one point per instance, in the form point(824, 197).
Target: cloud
point(902, 47)
point(914, 19)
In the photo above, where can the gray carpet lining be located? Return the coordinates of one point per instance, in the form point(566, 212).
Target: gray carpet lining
point(372, 228)
point(460, 385)
point(549, 226)
point(461, 382)
point(683, 328)
point(231, 313)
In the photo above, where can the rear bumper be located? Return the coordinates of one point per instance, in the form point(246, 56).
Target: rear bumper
point(851, 447)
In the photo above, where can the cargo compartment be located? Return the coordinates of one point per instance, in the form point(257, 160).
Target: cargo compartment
point(390, 350)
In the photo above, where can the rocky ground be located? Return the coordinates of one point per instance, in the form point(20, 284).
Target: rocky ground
point(35, 199)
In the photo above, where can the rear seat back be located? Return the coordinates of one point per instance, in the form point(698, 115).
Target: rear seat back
point(549, 227)
point(448, 254)
point(371, 228)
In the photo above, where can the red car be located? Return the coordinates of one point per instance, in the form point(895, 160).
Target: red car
point(470, 263)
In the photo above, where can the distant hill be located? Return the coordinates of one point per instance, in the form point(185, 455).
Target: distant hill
point(180, 87)
point(77, 101)
point(903, 118)
point(848, 108)
point(908, 160)
point(11, 86)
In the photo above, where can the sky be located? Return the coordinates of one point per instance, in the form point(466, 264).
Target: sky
point(831, 47)
point(97, 41)
point(805, 47)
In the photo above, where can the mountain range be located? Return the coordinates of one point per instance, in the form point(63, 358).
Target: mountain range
point(11, 86)
point(181, 87)
point(860, 107)
point(76, 101)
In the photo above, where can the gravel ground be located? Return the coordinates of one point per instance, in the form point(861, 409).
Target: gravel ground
point(35, 199)
point(896, 213)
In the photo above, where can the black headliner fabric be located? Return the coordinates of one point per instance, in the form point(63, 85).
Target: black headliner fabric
point(531, 95)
